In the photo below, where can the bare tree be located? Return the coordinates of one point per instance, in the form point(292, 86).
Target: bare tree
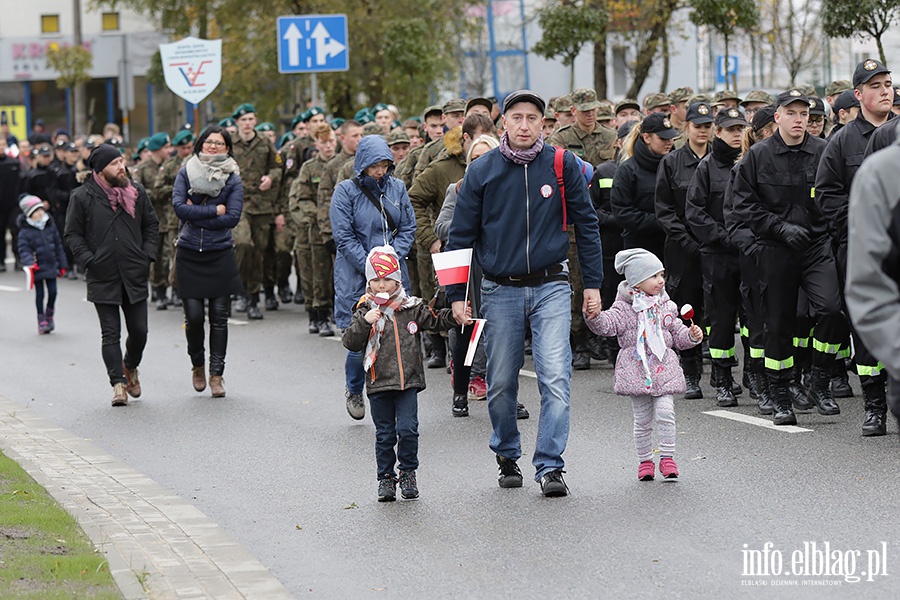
point(797, 29)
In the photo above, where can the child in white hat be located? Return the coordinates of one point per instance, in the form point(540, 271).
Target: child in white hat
point(41, 251)
point(649, 326)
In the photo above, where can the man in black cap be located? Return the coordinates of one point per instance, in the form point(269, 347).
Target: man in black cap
point(772, 187)
point(112, 230)
point(521, 244)
point(40, 180)
point(842, 157)
point(846, 108)
point(9, 203)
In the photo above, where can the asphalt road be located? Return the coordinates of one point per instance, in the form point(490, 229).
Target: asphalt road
point(282, 467)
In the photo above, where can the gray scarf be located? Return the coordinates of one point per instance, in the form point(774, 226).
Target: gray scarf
point(207, 173)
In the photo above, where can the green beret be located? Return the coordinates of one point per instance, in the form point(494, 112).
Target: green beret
point(158, 141)
point(299, 118)
point(243, 109)
point(315, 110)
point(135, 157)
point(142, 144)
point(227, 122)
point(265, 126)
point(379, 107)
point(288, 137)
point(396, 124)
point(336, 123)
point(363, 113)
point(183, 138)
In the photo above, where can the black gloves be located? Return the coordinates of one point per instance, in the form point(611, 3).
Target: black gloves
point(795, 236)
point(330, 246)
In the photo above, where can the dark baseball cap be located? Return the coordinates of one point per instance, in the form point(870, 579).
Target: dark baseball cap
point(817, 107)
point(763, 117)
point(699, 113)
point(625, 128)
point(846, 99)
point(729, 117)
point(524, 96)
point(44, 150)
point(659, 124)
point(479, 102)
point(868, 69)
point(791, 96)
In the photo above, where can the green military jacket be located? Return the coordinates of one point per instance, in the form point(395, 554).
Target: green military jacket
point(146, 174)
point(429, 152)
point(595, 148)
point(304, 191)
point(427, 194)
point(165, 183)
point(405, 170)
point(326, 189)
point(255, 159)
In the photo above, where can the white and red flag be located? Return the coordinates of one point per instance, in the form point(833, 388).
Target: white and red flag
point(473, 341)
point(29, 275)
point(452, 267)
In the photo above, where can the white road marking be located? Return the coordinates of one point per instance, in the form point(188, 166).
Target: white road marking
point(727, 414)
point(10, 288)
point(236, 322)
point(531, 374)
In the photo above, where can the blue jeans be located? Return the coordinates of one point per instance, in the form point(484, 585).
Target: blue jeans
point(396, 419)
point(353, 372)
point(507, 310)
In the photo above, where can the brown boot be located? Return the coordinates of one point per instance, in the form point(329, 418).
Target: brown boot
point(198, 378)
point(133, 384)
point(120, 397)
point(216, 387)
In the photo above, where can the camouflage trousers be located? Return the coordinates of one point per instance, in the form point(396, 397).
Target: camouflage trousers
point(578, 327)
point(254, 248)
point(284, 244)
point(159, 271)
point(315, 261)
point(426, 273)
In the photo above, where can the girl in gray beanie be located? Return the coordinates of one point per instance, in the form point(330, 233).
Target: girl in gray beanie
point(648, 326)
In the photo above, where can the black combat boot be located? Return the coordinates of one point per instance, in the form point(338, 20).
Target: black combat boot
point(747, 381)
point(781, 398)
point(271, 300)
point(721, 377)
point(797, 391)
point(819, 392)
point(326, 323)
point(460, 405)
point(581, 358)
point(438, 357)
point(253, 311)
point(313, 321)
point(875, 422)
point(763, 399)
point(692, 367)
point(162, 303)
point(840, 381)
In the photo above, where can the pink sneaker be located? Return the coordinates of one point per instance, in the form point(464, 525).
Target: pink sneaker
point(646, 470)
point(478, 388)
point(668, 468)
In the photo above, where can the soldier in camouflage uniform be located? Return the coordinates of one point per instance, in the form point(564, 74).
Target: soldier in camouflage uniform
point(165, 183)
point(679, 100)
point(594, 144)
point(563, 108)
point(452, 114)
point(657, 102)
point(754, 101)
point(146, 174)
point(350, 134)
point(316, 265)
point(253, 237)
point(398, 142)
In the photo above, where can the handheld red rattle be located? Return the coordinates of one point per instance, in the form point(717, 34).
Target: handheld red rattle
point(687, 313)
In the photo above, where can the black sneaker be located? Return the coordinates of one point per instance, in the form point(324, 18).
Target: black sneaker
point(460, 405)
point(387, 489)
point(553, 485)
point(408, 488)
point(521, 411)
point(510, 475)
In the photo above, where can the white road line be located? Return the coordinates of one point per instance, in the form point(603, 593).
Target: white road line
point(236, 322)
point(10, 288)
point(727, 414)
point(531, 374)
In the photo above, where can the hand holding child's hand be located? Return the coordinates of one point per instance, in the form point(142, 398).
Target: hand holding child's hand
point(373, 315)
point(696, 333)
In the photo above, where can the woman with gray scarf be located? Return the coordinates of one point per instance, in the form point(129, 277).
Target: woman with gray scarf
point(208, 198)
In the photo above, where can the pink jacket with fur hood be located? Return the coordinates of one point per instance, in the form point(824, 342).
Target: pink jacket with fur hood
point(621, 320)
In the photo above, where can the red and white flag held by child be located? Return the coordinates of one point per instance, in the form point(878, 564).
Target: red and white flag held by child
point(473, 341)
point(452, 267)
point(29, 275)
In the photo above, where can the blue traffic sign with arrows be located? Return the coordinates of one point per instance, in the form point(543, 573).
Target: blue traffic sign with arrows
point(312, 44)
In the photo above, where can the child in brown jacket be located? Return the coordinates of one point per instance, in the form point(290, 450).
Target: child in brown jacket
point(385, 326)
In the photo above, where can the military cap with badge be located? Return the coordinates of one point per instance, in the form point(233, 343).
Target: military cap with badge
point(730, 117)
point(584, 99)
point(243, 109)
point(312, 112)
point(659, 124)
point(158, 141)
point(700, 113)
point(866, 70)
point(183, 138)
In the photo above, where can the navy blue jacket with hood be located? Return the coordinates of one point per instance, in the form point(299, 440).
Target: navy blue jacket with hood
point(513, 216)
point(358, 226)
point(202, 230)
point(41, 246)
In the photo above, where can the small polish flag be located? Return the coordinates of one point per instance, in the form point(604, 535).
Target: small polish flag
point(29, 275)
point(473, 341)
point(452, 267)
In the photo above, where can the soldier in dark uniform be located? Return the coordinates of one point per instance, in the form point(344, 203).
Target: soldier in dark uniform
point(66, 181)
point(836, 170)
point(684, 280)
point(772, 189)
point(253, 237)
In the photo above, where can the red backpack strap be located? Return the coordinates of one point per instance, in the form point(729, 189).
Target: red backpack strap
point(558, 169)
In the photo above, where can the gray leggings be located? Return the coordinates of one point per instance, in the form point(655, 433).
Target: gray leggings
point(645, 409)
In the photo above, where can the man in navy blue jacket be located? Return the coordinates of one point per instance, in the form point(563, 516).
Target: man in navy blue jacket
point(511, 211)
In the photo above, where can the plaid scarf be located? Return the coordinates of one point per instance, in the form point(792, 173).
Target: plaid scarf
point(399, 301)
point(520, 157)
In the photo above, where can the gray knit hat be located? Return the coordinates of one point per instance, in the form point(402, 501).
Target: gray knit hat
point(637, 265)
point(383, 263)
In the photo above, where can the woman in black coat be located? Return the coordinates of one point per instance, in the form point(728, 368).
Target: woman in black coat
point(208, 198)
